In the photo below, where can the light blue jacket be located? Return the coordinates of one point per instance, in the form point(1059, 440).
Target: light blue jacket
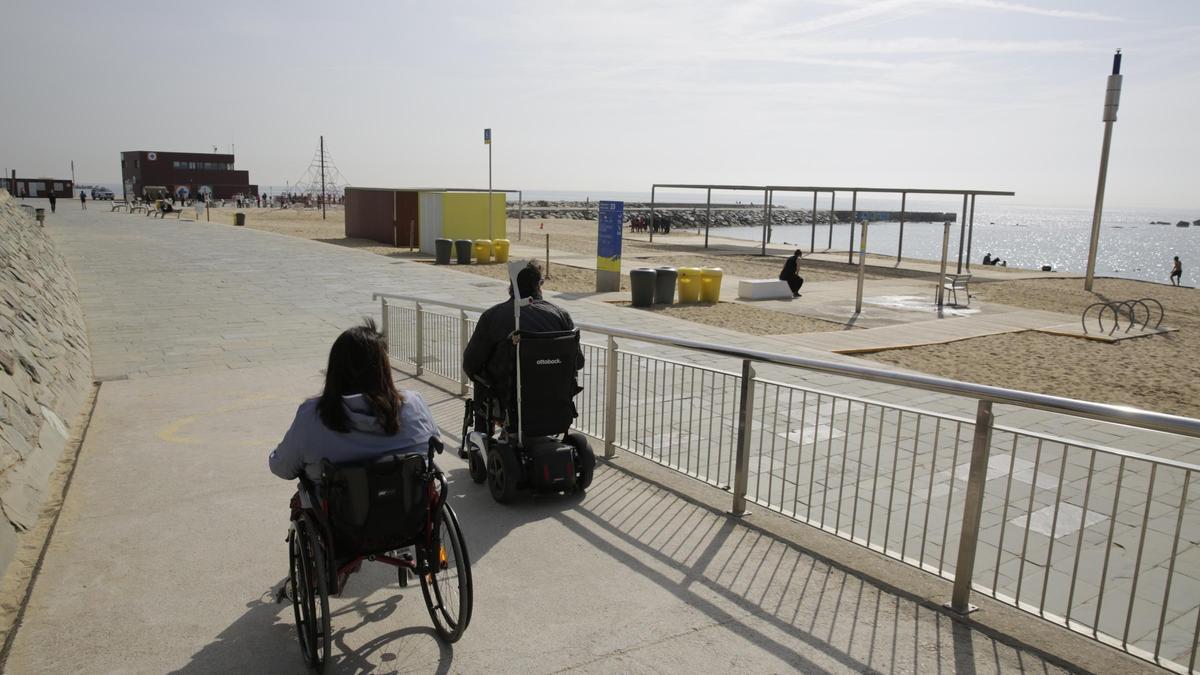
point(308, 441)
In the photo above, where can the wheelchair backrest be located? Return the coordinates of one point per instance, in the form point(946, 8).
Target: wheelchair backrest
point(548, 384)
point(378, 504)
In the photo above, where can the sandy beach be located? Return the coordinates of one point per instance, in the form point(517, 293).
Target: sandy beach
point(1155, 372)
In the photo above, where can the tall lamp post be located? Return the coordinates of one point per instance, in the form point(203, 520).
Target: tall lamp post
point(487, 140)
point(1111, 100)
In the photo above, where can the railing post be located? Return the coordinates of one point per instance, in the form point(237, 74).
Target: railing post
point(383, 318)
point(741, 477)
point(972, 510)
point(420, 341)
point(610, 399)
point(463, 339)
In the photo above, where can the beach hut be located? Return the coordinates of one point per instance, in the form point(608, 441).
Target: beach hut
point(415, 217)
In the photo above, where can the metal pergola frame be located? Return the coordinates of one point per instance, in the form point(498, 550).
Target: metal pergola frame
point(966, 218)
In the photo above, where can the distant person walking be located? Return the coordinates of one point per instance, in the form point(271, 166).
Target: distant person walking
point(199, 205)
point(789, 273)
point(53, 200)
point(83, 200)
point(1176, 272)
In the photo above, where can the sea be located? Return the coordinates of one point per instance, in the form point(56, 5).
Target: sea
point(1131, 245)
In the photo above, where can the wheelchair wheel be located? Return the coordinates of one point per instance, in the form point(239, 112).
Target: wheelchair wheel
point(447, 583)
point(310, 594)
point(504, 470)
point(476, 465)
point(585, 465)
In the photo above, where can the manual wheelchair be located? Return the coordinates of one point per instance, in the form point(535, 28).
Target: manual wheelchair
point(521, 437)
point(370, 510)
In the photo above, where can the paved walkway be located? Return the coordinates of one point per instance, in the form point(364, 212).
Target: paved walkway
point(171, 539)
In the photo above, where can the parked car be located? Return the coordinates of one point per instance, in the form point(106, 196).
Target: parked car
point(102, 193)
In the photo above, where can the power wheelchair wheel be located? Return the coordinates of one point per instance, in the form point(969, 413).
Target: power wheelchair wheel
point(310, 592)
point(585, 464)
point(446, 581)
point(477, 466)
point(504, 470)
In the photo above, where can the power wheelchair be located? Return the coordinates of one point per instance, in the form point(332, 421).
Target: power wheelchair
point(521, 437)
point(371, 510)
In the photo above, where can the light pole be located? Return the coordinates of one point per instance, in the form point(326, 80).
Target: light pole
point(487, 140)
point(1112, 99)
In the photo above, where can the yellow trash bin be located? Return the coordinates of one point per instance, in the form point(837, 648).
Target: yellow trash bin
point(500, 250)
point(483, 250)
point(689, 284)
point(710, 284)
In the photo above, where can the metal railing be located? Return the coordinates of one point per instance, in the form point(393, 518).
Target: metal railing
point(1073, 531)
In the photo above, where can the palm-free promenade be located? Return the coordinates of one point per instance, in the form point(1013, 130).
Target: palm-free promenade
point(170, 543)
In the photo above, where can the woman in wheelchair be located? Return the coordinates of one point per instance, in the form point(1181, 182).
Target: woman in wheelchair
point(369, 489)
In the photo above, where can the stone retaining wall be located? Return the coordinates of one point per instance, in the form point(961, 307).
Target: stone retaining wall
point(45, 368)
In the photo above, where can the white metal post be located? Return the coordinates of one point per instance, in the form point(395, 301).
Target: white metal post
point(420, 341)
point(941, 280)
point(1112, 99)
point(972, 509)
point(610, 399)
point(862, 267)
point(463, 338)
point(741, 476)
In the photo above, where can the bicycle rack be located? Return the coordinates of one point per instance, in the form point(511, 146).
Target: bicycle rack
point(1123, 309)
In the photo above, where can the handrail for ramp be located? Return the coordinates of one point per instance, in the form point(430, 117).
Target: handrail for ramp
point(1009, 520)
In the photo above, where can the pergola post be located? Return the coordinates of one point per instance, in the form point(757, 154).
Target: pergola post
point(708, 216)
point(652, 189)
point(770, 216)
point(862, 269)
point(853, 223)
point(520, 213)
point(941, 280)
point(812, 245)
point(832, 217)
point(766, 217)
point(900, 244)
point(962, 233)
point(970, 232)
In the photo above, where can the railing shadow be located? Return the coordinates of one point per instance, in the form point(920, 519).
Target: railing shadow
point(809, 612)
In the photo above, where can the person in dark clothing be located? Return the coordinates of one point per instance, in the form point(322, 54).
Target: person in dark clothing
point(788, 273)
point(490, 353)
point(53, 200)
point(83, 200)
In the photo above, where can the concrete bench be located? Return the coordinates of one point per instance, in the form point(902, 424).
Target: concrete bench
point(139, 206)
point(119, 204)
point(763, 289)
point(953, 283)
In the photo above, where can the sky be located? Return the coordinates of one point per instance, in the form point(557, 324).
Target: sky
point(616, 95)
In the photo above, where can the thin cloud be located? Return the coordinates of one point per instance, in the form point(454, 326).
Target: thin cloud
point(1029, 9)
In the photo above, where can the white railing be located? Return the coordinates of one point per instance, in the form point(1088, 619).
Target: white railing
point(1087, 536)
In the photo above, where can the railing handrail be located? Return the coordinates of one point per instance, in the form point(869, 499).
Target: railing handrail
point(1136, 417)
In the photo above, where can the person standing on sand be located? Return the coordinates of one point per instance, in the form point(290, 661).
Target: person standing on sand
point(199, 204)
point(788, 273)
point(53, 200)
point(1176, 272)
point(83, 200)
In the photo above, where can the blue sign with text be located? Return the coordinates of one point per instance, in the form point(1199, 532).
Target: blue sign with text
point(608, 240)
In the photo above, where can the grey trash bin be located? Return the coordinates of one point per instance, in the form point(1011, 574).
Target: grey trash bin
point(641, 285)
point(442, 250)
point(462, 247)
point(664, 288)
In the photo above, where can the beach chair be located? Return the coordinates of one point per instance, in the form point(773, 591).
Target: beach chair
point(955, 283)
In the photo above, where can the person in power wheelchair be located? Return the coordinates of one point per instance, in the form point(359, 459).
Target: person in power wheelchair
point(523, 358)
point(369, 489)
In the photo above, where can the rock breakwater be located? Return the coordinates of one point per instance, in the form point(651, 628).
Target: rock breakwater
point(723, 215)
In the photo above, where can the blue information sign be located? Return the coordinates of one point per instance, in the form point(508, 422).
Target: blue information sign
point(608, 240)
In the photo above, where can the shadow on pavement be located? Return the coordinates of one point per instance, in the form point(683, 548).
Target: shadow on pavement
point(772, 593)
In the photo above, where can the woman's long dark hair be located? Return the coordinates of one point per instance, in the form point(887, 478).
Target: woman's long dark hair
point(358, 364)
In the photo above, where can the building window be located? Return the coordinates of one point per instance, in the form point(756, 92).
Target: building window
point(137, 163)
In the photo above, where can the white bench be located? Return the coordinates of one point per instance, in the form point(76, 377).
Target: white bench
point(763, 289)
point(119, 204)
point(955, 283)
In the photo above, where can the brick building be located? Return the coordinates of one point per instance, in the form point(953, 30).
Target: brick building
point(184, 174)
